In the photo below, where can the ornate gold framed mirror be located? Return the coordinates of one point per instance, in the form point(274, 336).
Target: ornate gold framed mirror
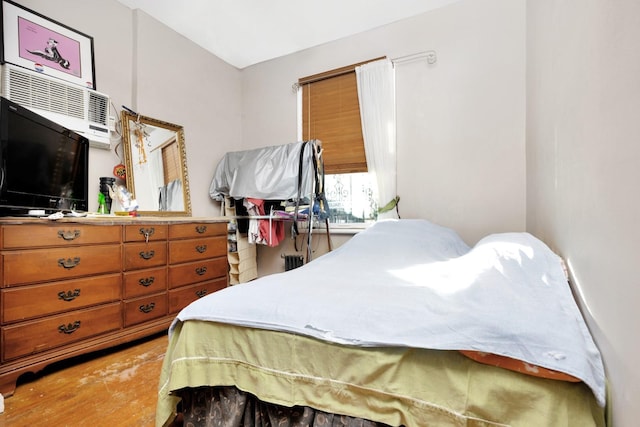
point(156, 165)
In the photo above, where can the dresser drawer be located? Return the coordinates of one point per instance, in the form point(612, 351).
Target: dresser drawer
point(42, 265)
point(145, 232)
point(144, 255)
point(194, 272)
point(55, 331)
point(145, 282)
point(29, 302)
point(31, 236)
point(180, 298)
point(193, 230)
point(143, 309)
point(195, 249)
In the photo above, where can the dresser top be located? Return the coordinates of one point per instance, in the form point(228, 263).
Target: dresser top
point(112, 220)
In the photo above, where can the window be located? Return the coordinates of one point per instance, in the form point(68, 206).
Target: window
point(330, 112)
point(350, 198)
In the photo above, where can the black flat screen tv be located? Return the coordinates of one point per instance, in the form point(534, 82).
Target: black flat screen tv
point(44, 166)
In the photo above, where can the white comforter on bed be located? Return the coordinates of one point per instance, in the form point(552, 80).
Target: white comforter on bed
point(413, 283)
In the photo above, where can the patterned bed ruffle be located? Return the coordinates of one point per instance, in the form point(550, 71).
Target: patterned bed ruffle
point(228, 406)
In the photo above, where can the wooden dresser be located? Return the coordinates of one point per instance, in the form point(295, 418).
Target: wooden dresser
point(70, 287)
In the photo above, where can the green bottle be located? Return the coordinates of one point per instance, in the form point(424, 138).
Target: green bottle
point(102, 204)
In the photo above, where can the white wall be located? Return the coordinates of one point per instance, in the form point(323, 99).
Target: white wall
point(583, 151)
point(146, 66)
point(461, 146)
point(461, 128)
point(179, 82)
point(461, 140)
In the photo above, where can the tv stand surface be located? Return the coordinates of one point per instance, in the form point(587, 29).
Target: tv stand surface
point(8, 213)
point(73, 286)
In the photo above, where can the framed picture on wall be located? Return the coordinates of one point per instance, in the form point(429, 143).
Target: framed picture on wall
point(31, 40)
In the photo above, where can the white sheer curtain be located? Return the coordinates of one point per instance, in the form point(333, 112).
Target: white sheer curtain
point(376, 94)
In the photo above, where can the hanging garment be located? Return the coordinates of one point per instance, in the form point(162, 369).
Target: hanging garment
point(263, 231)
point(170, 196)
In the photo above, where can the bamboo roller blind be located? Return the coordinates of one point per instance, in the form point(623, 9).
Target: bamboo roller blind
point(331, 113)
point(171, 161)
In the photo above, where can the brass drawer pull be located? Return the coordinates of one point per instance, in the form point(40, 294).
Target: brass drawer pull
point(200, 229)
point(146, 281)
point(147, 255)
point(69, 295)
point(69, 235)
point(201, 248)
point(201, 293)
point(69, 263)
point(147, 232)
point(201, 270)
point(147, 308)
point(70, 328)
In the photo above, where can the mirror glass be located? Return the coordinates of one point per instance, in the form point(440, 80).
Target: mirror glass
point(156, 163)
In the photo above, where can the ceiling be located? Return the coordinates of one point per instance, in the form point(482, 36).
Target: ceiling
point(246, 32)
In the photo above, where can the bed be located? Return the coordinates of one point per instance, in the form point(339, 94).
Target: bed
point(403, 325)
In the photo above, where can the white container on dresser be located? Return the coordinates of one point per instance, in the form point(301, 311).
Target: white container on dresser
point(74, 286)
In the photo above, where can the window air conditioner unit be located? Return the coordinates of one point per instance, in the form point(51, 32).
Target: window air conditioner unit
point(74, 107)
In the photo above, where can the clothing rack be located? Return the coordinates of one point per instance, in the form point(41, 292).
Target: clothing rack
point(286, 172)
point(276, 216)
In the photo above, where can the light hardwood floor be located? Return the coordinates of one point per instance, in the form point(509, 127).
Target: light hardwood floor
point(112, 388)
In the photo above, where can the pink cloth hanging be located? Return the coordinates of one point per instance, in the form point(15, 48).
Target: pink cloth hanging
point(271, 231)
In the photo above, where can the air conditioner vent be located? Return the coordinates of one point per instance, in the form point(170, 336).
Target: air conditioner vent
point(98, 109)
point(21, 84)
point(31, 90)
point(75, 107)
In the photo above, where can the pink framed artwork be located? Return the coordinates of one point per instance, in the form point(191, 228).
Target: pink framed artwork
point(33, 41)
